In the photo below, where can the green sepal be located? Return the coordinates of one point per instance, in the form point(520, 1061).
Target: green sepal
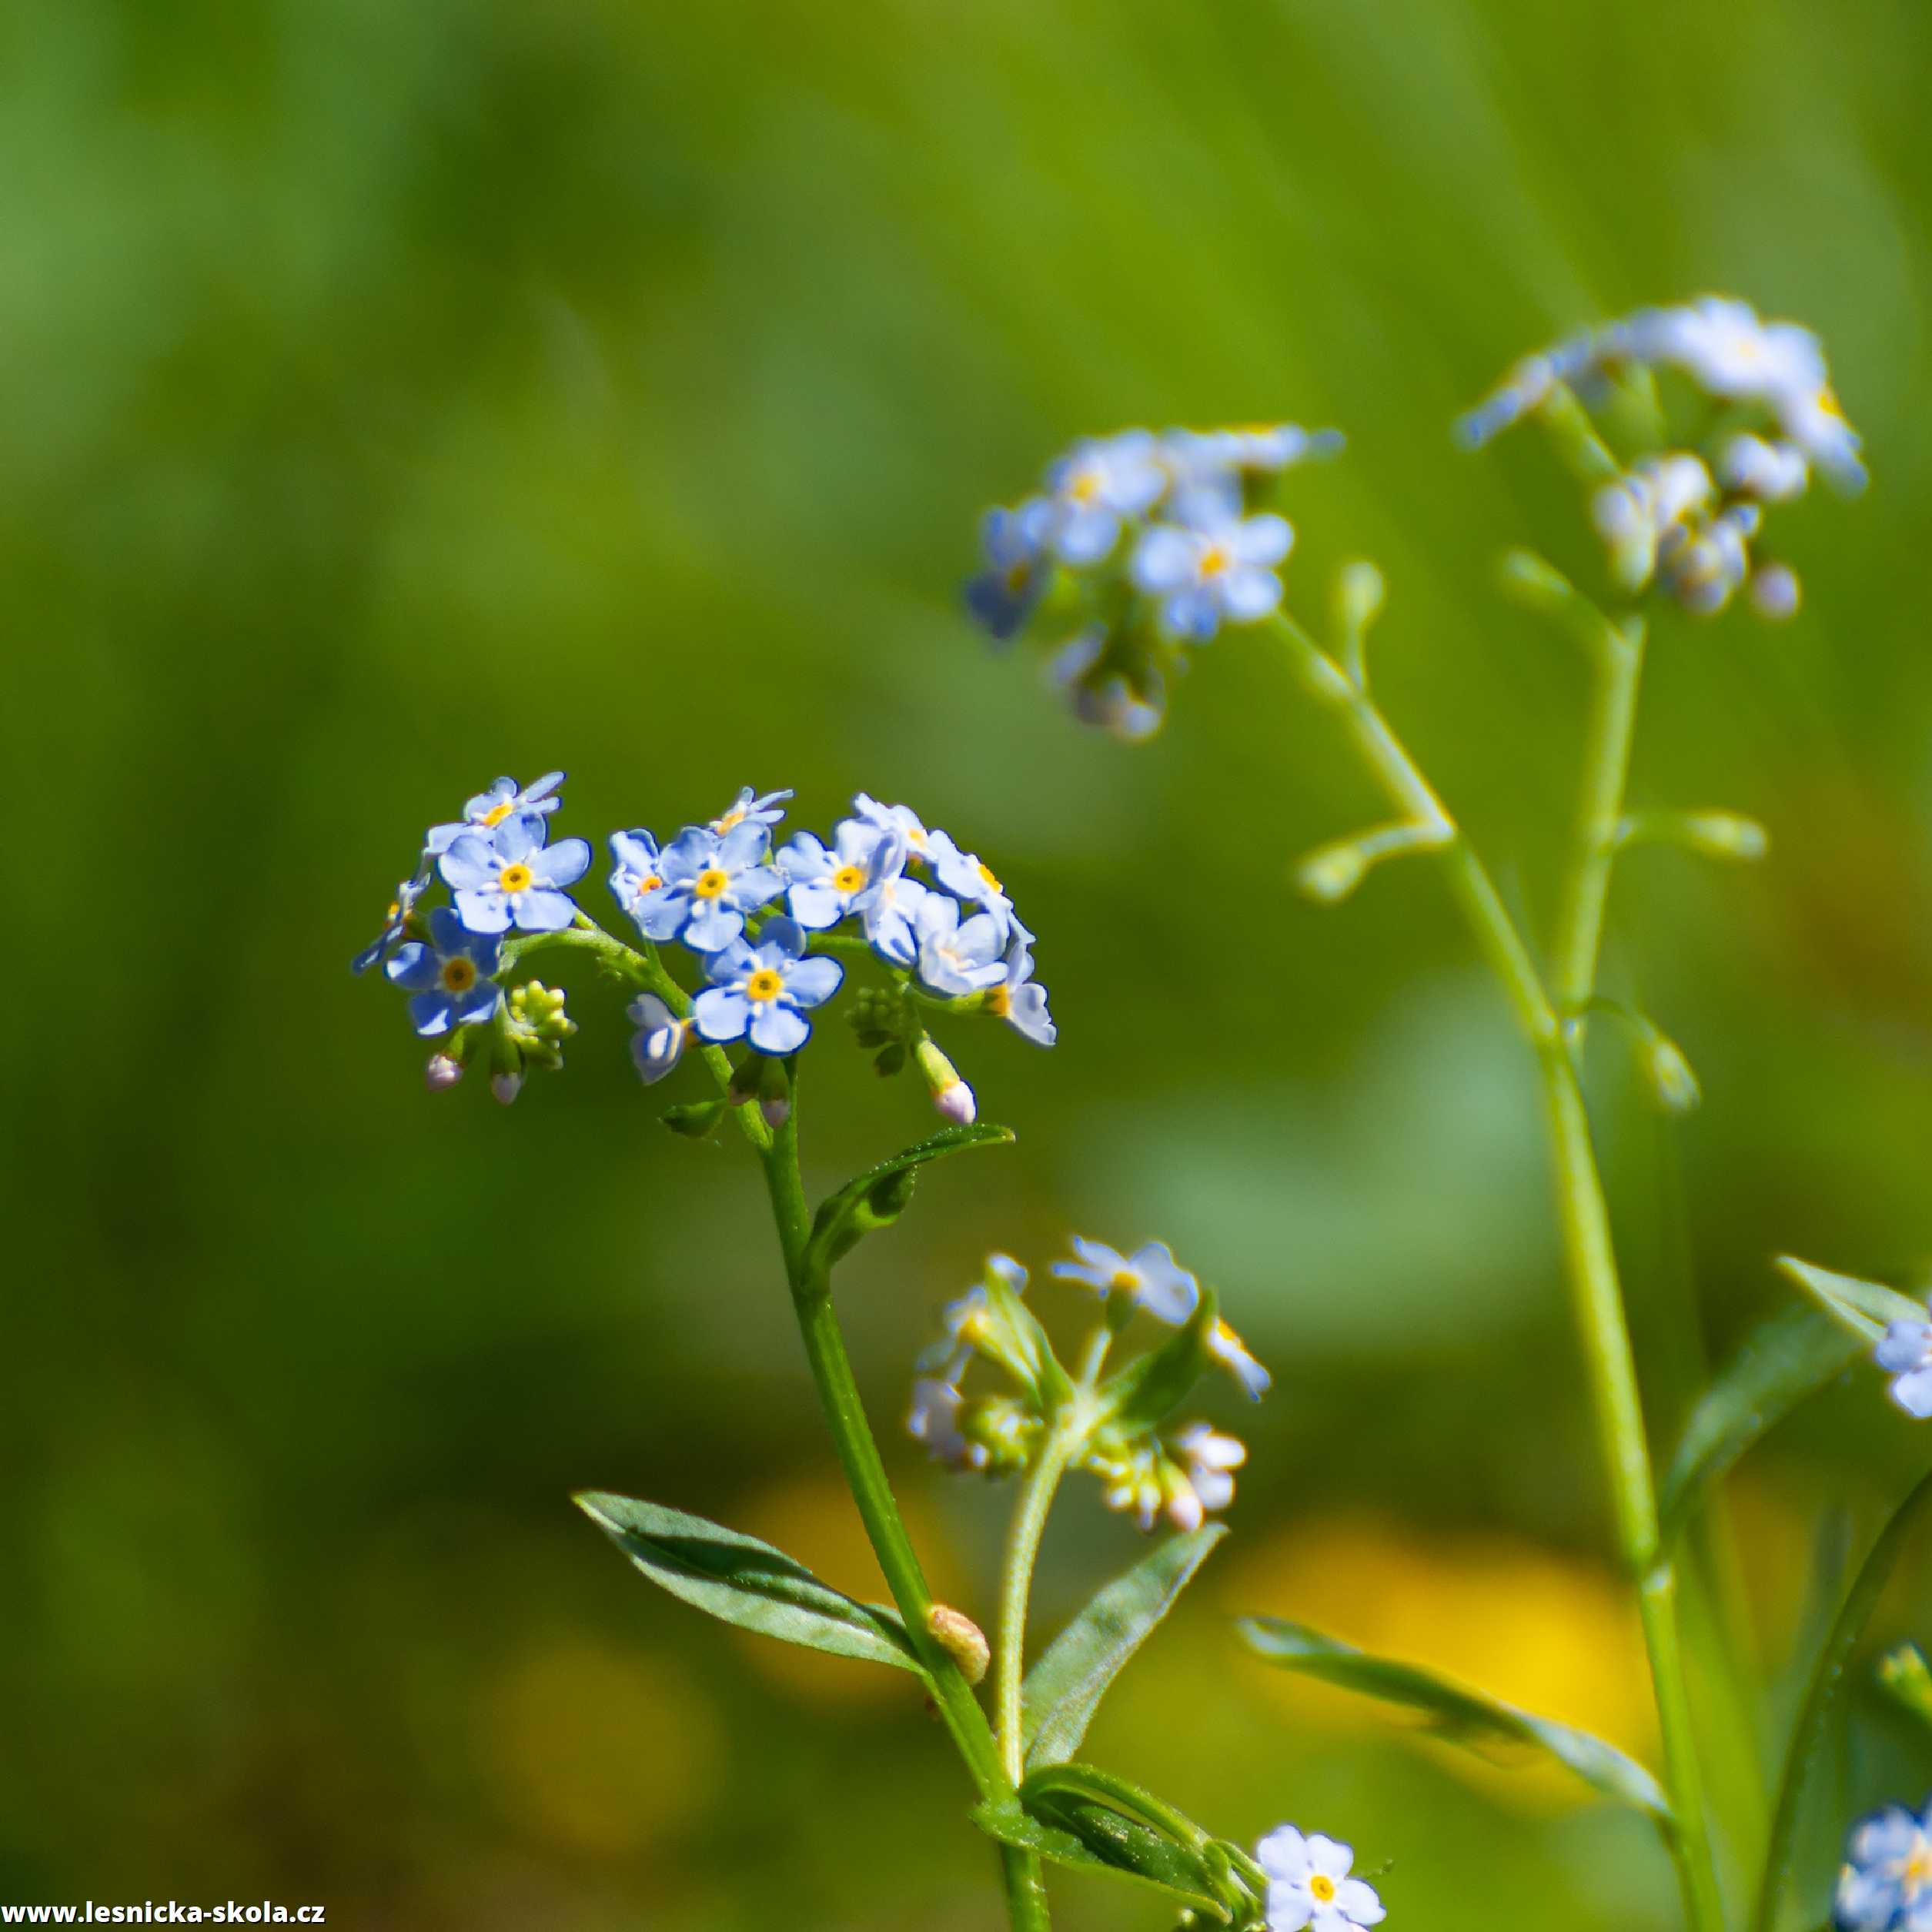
point(878, 1197)
point(1790, 1357)
point(740, 1580)
point(1863, 1307)
point(1454, 1711)
point(1065, 1686)
point(1904, 1674)
point(1153, 1386)
point(695, 1119)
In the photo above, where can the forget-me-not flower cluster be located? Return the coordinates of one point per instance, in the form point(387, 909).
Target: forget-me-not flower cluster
point(1885, 1884)
point(1147, 1468)
point(1688, 519)
point(1137, 547)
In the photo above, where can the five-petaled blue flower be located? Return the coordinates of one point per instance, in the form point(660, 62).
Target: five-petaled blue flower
point(451, 978)
point(823, 882)
point(505, 800)
point(747, 809)
point(1015, 541)
point(709, 884)
point(967, 875)
point(636, 871)
point(510, 876)
point(1219, 568)
point(1150, 1278)
point(1019, 999)
point(1905, 1352)
point(1886, 1883)
point(760, 992)
point(959, 953)
point(396, 920)
point(888, 908)
point(1099, 482)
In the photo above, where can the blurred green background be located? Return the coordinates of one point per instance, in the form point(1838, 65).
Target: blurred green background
point(394, 395)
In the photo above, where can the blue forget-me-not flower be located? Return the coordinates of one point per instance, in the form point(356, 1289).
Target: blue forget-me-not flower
point(509, 877)
point(450, 980)
point(761, 993)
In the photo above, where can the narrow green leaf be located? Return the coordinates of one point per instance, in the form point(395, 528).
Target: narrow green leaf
point(878, 1197)
point(1863, 1307)
point(740, 1580)
point(1792, 1355)
point(1091, 1837)
point(1454, 1711)
point(1152, 1386)
point(1810, 1734)
point(1064, 1687)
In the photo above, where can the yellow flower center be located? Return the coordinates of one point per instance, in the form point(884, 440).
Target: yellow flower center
point(1321, 1886)
point(515, 878)
point(1215, 559)
point(458, 974)
point(710, 883)
point(497, 813)
point(1125, 1281)
point(395, 907)
point(849, 878)
point(763, 985)
point(649, 883)
point(986, 877)
point(1085, 487)
point(1916, 1873)
point(1828, 402)
point(729, 822)
point(999, 1002)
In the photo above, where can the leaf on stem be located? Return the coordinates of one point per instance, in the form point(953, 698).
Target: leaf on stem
point(1064, 1689)
point(1863, 1307)
point(1081, 1832)
point(1152, 1386)
point(1454, 1711)
point(878, 1197)
point(740, 1580)
point(1790, 1358)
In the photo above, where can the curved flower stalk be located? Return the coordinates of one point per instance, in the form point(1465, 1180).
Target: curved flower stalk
point(741, 949)
point(1688, 428)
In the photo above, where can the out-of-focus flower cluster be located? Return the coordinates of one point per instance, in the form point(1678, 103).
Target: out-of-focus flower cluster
point(1688, 514)
point(1886, 1883)
point(1119, 1429)
point(1136, 547)
point(934, 920)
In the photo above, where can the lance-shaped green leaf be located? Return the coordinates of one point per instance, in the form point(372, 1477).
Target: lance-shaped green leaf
point(1455, 1711)
point(1087, 1835)
point(1151, 1386)
point(1790, 1358)
point(740, 1580)
point(1864, 1308)
point(1811, 1735)
point(1064, 1689)
point(878, 1197)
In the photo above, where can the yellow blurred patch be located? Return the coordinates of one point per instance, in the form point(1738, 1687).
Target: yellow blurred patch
point(1551, 1633)
point(598, 1751)
point(812, 1517)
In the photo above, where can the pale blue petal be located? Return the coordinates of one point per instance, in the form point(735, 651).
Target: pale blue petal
point(813, 981)
point(563, 863)
point(731, 961)
point(757, 887)
point(429, 1012)
point(711, 926)
point(487, 911)
point(469, 864)
point(1261, 540)
point(721, 1014)
point(414, 966)
point(1026, 1014)
point(1913, 1392)
point(744, 846)
point(1904, 1344)
point(778, 1028)
point(1248, 593)
point(660, 913)
point(816, 905)
point(540, 910)
point(1165, 559)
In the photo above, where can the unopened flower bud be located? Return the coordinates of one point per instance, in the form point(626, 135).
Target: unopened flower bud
point(506, 1087)
point(958, 1104)
point(776, 1108)
point(443, 1071)
point(1724, 835)
point(1359, 591)
point(1775, 592)
point(962, 1640)
point(950, 1095)
point(1331, 872)
point(1670, 1075)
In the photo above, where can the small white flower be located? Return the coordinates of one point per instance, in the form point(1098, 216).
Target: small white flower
point(1775, 592)
point(1309, 1885)
point(934, 1420)
point(1815, 423)
point(1730, 351)
point(1905, 1352)
point(1151, 1277)
point(661, 1039)
point(1227, 1348)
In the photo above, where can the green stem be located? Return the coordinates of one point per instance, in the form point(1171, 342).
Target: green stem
point(1022, 1547)
point(858, 1456)
point(1590, 1262)
point(1606, 767)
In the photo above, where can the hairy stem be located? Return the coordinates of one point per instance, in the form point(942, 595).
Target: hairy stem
point(1022, 1547)
point(1583, 1218)
point(858, 1456)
